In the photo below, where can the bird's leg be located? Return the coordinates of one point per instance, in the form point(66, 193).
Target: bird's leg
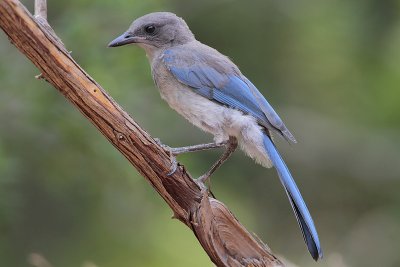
point(231, 146)
point(187, 149)
point(195, 148)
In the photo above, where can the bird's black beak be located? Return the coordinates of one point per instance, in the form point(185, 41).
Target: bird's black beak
point(125, 38)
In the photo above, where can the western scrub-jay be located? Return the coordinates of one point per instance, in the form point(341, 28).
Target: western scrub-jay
point(209, 90)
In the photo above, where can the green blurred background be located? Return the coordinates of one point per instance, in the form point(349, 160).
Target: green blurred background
point(330, 68)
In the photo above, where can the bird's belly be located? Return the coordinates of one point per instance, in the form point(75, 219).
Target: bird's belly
point(200, 111)
point(209, 116)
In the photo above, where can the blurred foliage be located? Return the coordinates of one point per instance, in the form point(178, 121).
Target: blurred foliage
point(330, 68)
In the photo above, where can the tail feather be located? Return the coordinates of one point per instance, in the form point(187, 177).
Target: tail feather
point(296, 200)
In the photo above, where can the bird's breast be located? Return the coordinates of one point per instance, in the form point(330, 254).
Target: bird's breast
point(200, 111)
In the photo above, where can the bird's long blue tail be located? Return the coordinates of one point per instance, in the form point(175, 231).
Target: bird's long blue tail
point(296, 200)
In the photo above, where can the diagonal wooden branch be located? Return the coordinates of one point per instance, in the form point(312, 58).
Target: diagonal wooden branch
point(224, 239)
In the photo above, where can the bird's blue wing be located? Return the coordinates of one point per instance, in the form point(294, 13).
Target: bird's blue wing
point(220, 83)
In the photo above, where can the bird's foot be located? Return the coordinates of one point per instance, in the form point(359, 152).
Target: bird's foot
point(174, 162)
point(173, 150)
point(158, 141)
point(174, 165)
point(204, 182)
point(205, 178)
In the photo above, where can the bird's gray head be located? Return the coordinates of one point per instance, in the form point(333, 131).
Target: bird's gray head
point(156, 31)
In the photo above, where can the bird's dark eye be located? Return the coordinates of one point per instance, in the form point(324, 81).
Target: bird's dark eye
point(150, 29)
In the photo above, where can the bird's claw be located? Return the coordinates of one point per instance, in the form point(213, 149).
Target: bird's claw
point(203, 178)
point(174, 166)
point(166, 147)
point(174, 163)
point(200, 183)
point(203, 182)
point(158, 141)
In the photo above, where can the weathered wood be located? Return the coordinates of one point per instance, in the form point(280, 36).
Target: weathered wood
point(224, 239)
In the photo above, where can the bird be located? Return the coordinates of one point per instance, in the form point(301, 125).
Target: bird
point(208, 89)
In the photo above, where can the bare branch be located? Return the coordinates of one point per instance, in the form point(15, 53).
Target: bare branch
point(225, 240)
